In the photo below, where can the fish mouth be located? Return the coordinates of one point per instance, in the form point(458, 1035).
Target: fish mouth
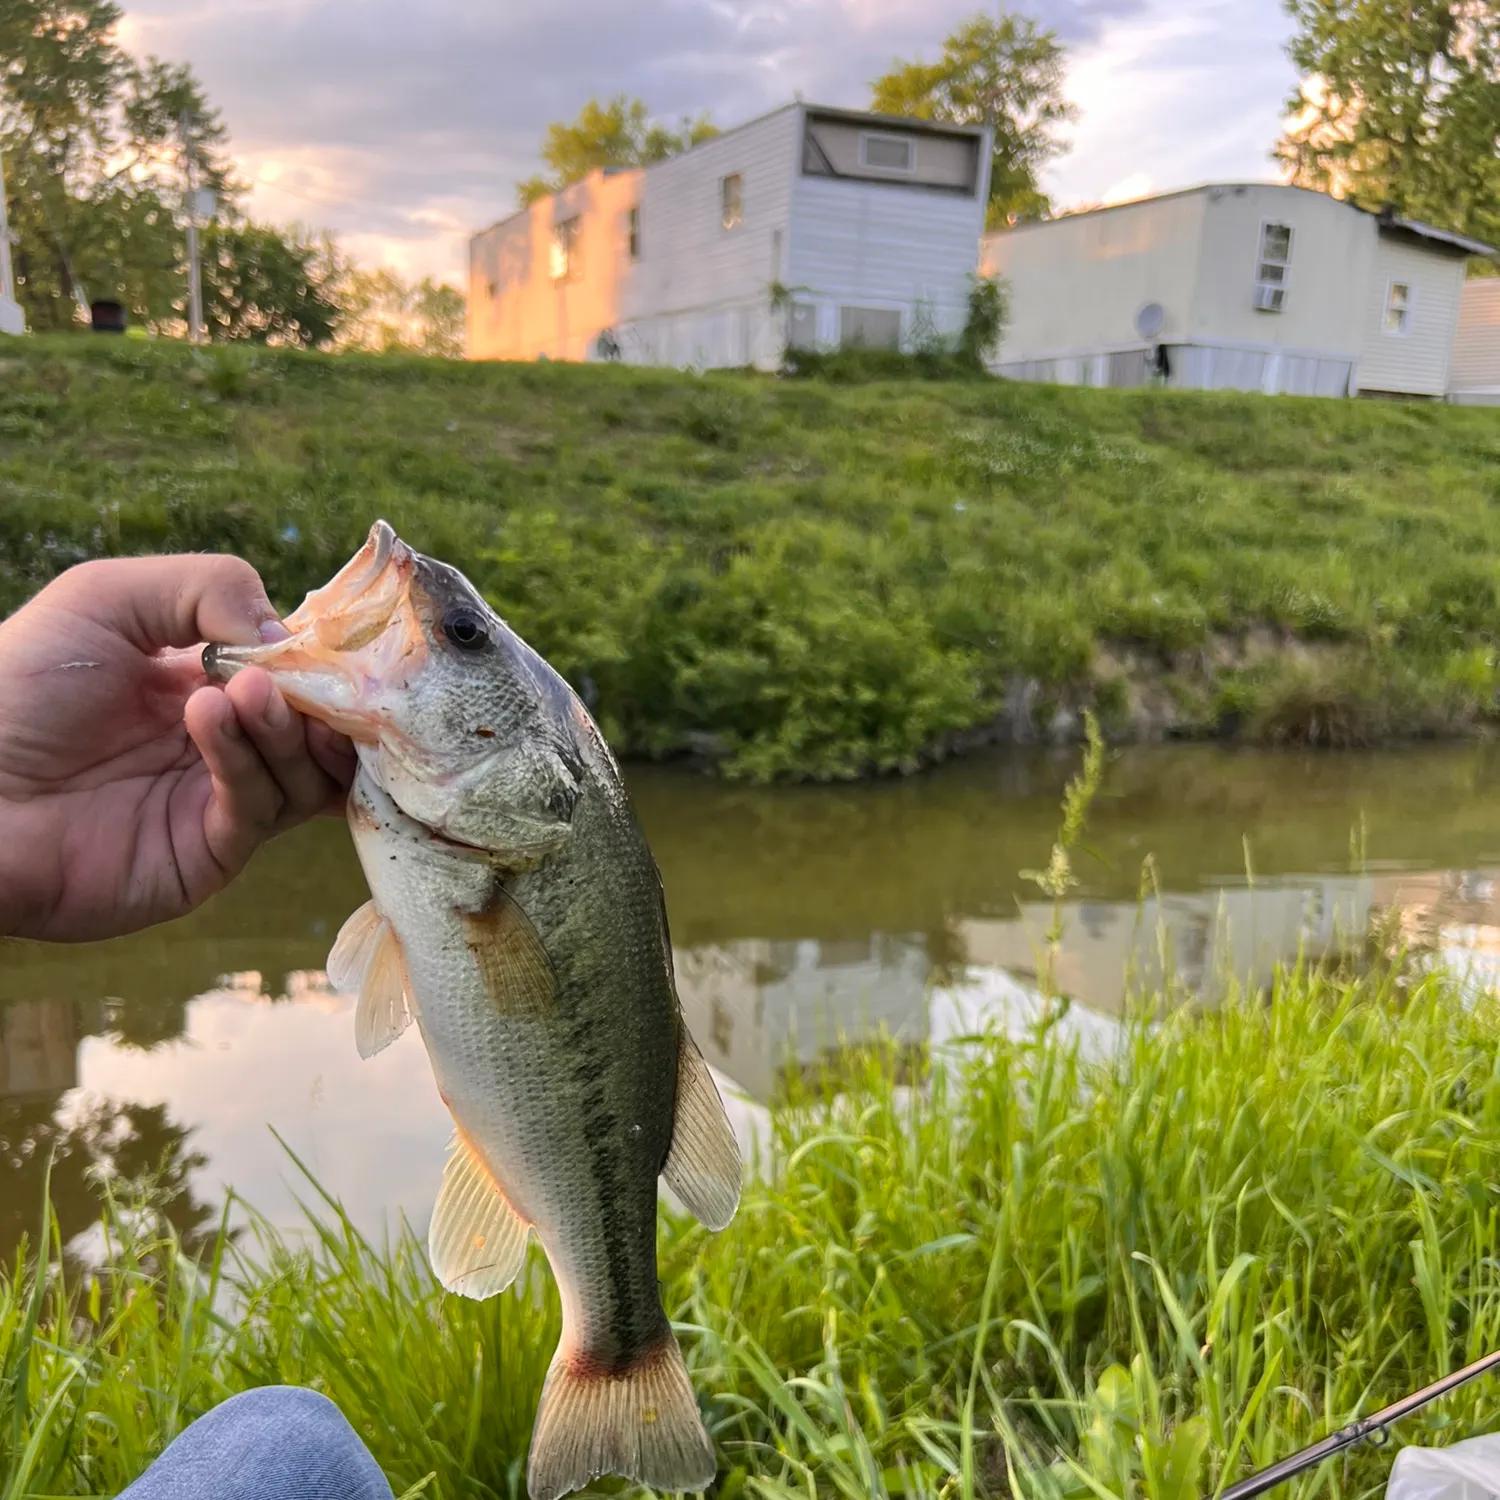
point(349, 640)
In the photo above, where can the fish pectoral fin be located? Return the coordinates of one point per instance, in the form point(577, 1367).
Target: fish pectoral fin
point(476, 1241)
point(703, 1166)
point(513, 963)
point(366, 960)
point(350, 956)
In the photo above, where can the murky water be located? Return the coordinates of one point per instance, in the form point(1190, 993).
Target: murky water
point(798, 916)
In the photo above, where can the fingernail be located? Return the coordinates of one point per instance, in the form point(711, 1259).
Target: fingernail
point(276, 713)
point(273, 630)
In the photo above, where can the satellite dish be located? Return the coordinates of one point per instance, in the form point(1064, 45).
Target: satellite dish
point(1150, 319)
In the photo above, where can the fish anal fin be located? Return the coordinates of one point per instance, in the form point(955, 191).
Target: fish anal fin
point(513, 963)
point(366, 961)
point(476, 1242)
point(703, 1167)
point(640, 1422)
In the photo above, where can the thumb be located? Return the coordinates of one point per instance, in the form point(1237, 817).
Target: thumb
point(157, 602)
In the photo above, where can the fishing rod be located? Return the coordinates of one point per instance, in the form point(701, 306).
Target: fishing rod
point(1356, 1432)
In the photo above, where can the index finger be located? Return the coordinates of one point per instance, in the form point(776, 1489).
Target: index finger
point(180, 600)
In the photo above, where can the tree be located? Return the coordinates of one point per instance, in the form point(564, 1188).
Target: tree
point(617, 133)
point(1002, 71)
point(97, 153)
point(1399, 104)
point(441, 311)
point(382, 314)
point(95, 156)
point(271, 286)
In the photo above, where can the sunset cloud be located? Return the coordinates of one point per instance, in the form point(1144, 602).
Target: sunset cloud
point(403, 128)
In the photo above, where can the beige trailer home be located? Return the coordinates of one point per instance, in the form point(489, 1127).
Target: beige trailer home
point(1475, 379)
point(809, 226)
point(1239, 286)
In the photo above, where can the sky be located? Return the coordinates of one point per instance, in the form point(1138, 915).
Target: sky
point(404, 128)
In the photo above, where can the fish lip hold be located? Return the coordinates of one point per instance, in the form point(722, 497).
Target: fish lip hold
point(316, 665)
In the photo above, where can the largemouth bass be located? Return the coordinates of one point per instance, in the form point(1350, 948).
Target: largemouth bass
point(517, 916)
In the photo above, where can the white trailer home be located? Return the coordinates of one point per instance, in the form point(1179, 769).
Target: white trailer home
point(1475, 378)
point(1240, 286)
point(809, 226)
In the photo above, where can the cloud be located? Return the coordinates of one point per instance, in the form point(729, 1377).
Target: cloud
point(1127, 189)
point(405, 127)
point(1178, 94)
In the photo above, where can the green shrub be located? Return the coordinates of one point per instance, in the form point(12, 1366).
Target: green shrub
point(816, 576)
point(869, 366)
point(984, 322)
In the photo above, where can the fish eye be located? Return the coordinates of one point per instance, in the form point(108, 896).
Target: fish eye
point(465, 629)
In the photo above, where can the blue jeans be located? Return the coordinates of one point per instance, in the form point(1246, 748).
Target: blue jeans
point(275, 1443)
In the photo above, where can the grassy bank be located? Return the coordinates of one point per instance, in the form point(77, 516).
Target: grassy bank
point(814, 577)
point(1028, 1276)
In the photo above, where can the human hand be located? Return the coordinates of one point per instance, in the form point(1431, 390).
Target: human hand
point(130, 788)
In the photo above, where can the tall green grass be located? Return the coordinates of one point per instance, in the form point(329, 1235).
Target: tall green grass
point(1012, 1273)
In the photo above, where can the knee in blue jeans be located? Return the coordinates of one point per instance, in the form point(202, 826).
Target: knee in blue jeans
point(273, 1443)
point(303, 1415)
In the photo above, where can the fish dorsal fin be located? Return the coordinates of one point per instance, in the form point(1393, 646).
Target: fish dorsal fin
point(366, 961)
point(513, 963)
point(703, 1166)
point(476, 1241)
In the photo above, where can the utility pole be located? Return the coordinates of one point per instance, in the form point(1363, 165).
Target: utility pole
point(7, 283)
point(12, 319)
point(195, 279)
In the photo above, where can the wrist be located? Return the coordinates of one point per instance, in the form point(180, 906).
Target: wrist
point(29, 872)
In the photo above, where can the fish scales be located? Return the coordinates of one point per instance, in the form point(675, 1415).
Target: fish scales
point(607, 1048)
point(517, 916)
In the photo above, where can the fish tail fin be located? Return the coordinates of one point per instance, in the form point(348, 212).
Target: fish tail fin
point(640, 1422)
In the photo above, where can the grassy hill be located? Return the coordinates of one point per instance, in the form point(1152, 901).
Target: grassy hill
point(803, 577)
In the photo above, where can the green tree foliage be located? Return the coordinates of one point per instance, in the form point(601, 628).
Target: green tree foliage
point(1003, 71)
point(616, 133)
point(441, 311)
point(1400, 104)
point(267, 285)
point(95, 159)
point(96, 153)
point(383, 314)
point(984, 324)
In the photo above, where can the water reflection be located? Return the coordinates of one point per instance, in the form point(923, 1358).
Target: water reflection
point(88, 1142)
point(799, 917)
point(754, 1004)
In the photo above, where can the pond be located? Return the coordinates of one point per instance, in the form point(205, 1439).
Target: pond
point(800, 916)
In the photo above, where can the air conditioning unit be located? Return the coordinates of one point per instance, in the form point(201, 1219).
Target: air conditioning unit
point(1269, 298)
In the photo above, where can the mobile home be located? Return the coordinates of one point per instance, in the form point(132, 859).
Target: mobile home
point(809, 227)
point(1475, 379)
point(1242, 286)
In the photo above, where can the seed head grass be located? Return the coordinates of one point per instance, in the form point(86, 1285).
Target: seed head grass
point(1008, 1271)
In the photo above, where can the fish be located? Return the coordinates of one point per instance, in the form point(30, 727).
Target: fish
point(517, 916)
